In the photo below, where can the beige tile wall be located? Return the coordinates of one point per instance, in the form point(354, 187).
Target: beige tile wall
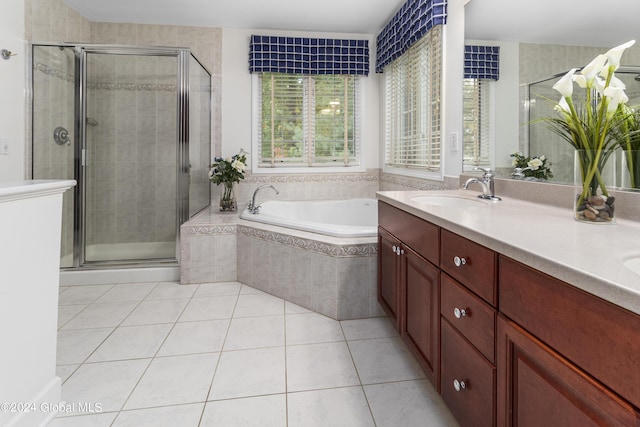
point(122, 213)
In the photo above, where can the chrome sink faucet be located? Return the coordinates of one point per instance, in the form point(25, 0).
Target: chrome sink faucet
point(252, 204)
point(488, 192)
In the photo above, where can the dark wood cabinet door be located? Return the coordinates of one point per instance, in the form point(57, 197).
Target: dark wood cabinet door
point(421, 318)
point(599, 337)
point(389, 276)
point(468, 380)
point(539, 387)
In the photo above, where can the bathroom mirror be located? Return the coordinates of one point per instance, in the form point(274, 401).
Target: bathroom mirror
point(539, 41)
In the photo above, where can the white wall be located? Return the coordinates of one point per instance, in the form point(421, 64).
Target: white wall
point(236, 93)
point(13, 87)
point(452, 98)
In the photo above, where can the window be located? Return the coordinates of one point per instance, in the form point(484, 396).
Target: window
point(308, 120)
point(477, 122)
point(412, 106)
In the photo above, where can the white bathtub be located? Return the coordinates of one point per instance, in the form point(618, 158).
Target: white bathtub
point(340, 218)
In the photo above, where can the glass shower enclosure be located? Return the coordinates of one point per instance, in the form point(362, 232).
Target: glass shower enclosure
point(132, 125)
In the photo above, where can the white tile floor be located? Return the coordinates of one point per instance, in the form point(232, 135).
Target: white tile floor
point(225, 354)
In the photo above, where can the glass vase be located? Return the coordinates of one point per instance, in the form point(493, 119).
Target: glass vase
point(227, 198)
point(594, 175)
point(630, 169)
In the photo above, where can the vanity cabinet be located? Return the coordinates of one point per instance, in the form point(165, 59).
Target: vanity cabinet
point(468, 297)
point(409, 283)
point(539, 387)
point(564, 356)
point(389, 275)
point(420, 323)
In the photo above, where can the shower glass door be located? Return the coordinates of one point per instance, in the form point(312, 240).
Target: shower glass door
point(53, 129)
point(130, 157)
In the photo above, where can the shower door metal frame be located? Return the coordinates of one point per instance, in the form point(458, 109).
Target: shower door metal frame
point(81, 51)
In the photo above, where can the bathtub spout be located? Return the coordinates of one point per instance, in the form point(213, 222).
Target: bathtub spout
point(252, 204)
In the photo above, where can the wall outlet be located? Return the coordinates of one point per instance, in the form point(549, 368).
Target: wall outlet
point(4, 147)
point(454, 142)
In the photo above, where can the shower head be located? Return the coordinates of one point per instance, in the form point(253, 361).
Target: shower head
point(92, 122)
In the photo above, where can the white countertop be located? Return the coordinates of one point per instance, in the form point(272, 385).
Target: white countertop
point(32, 188)
point(588, 256)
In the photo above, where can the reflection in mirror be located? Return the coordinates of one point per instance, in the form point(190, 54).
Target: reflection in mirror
point(531, 52)
point(541, 101)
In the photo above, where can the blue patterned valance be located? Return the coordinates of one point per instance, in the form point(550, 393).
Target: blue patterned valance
point(412, 21)
point(302, 55)
point(482, 62)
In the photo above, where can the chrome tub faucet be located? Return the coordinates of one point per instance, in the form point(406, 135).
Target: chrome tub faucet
point(252, 204)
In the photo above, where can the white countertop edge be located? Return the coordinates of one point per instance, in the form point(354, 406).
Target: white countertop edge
point(18, 190)
point(609, 279)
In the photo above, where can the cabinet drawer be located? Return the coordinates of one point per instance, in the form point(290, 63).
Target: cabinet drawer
point(599, 337)
point(420, 235)
point(471, 316)
point(473, 405)
point(471, 264)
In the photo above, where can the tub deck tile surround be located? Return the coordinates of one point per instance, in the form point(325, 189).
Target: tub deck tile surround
point(333, 276)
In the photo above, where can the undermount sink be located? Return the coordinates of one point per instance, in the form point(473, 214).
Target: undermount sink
point(633, 264)
point(449, 201)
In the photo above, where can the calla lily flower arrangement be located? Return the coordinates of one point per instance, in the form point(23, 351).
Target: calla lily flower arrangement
point(591, 127)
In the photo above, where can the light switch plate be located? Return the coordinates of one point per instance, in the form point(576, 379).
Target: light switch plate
point(454, 141)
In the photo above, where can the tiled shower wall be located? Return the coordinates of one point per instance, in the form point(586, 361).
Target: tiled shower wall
point(131, 173)
point(142, 216)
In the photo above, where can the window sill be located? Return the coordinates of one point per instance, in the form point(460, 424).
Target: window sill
point(414, 173)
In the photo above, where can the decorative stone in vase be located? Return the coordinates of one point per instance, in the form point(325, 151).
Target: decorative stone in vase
point(594, 175)
point(228, 199)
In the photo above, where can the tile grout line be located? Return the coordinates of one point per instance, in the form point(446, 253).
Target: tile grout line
point(286, 378)
point(105, 338)
point(215, 369)
point(358, 374)
point(155, 354)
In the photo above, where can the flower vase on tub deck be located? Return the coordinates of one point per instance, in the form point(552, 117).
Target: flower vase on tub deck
point(590, 125)
point(227, 172)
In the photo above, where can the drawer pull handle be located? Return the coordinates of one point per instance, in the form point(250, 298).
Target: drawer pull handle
point(459, 385)
point(393, 248)
point(459, 262)
point(460, 312)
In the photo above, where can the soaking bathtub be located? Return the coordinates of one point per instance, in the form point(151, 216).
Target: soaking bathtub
point(338, 218)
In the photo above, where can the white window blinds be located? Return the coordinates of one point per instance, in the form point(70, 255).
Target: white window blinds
point(308, 120)
point(477, 122)
point(412, 104)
